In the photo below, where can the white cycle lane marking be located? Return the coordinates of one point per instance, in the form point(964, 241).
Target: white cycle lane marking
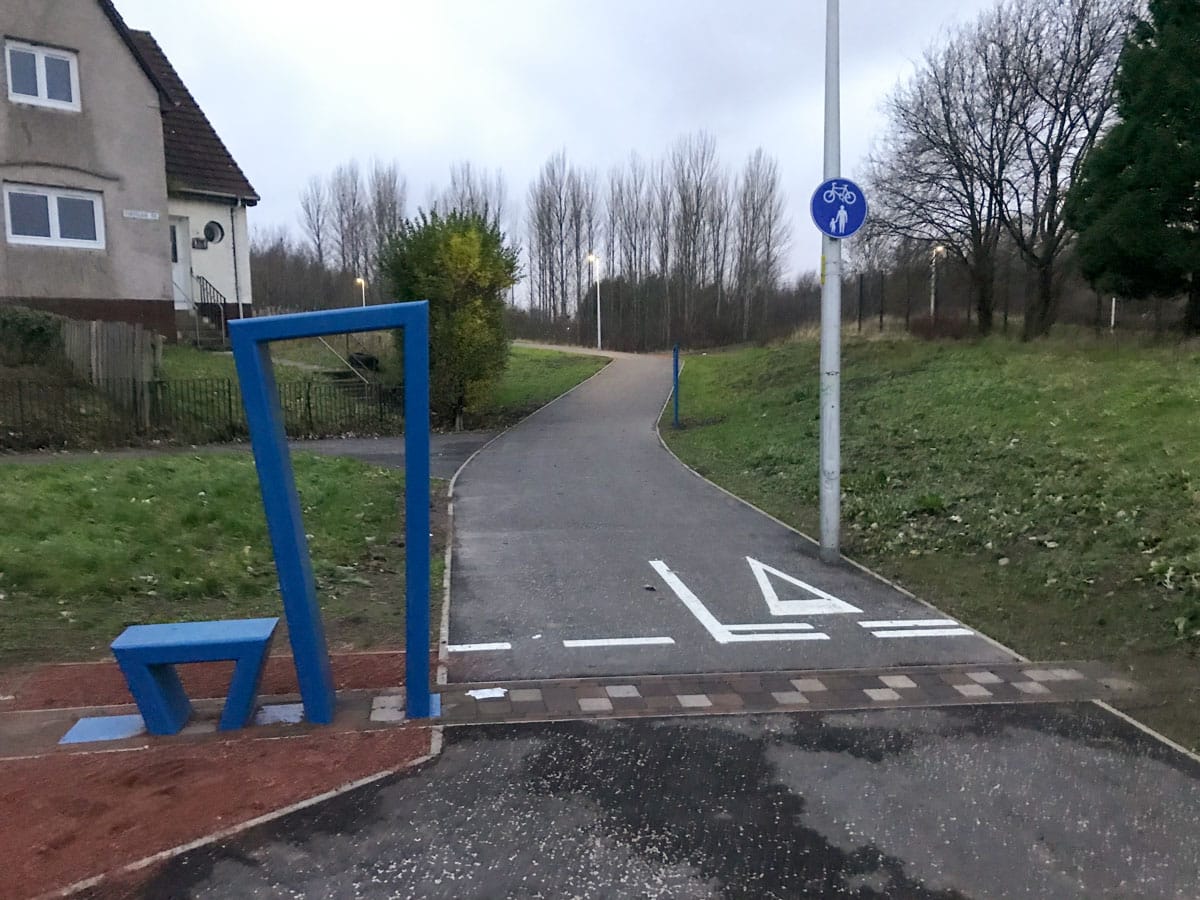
point(901, 628)
point(476, 648)
point(820, 603)
point(732, 634)
point(620, 642)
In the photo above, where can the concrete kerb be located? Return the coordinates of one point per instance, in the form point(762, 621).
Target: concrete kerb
point(435, 750)
point(907, 593)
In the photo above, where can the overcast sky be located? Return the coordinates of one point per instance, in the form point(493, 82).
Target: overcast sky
point(294, 88)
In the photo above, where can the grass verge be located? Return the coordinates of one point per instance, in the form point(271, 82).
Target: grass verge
point(107, 544)
point(532, 379)
point(1048, 494)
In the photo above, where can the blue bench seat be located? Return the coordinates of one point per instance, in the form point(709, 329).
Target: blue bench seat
point(148, 654)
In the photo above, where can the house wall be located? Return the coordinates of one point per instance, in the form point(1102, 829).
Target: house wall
point(227, 264)
point(113, 146)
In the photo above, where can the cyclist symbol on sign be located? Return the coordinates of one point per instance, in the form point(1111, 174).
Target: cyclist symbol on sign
point(840, 192)
point(839, 208)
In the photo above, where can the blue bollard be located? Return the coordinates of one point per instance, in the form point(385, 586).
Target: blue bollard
point(676, 386)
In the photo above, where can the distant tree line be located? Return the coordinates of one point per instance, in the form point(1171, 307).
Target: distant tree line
point(1037, 156)
point(686, 250)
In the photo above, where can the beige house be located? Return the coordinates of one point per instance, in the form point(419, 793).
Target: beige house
point(120, 202)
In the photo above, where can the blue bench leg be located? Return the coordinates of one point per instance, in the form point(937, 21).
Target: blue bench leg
point(159, 696)
point(243, 688)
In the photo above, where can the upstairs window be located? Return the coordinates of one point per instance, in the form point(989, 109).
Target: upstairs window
point(53, 217)
point(42, 76)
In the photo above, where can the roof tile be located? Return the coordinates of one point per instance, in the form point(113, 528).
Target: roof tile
point(198, 162)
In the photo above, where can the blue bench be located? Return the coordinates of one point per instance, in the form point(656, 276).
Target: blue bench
point(148, 654)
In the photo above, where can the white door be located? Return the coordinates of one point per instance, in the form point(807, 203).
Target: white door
point(181, 261)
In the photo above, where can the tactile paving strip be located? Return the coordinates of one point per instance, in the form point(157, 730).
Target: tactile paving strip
point(820, 690)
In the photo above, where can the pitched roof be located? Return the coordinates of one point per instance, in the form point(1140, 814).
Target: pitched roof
point(123, 31)
point(198, 162)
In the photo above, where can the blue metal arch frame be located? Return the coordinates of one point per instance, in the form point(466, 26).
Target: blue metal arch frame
point(281, 503)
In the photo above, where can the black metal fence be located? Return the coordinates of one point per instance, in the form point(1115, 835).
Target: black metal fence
point(44, 414)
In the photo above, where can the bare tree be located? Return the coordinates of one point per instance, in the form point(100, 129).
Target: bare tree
point(761, 235)
point(387, 193)
point(693, 168)
point(476, 192)
point(939, 172)
point(314, 216)
point(350, 217)
point(1059, 68)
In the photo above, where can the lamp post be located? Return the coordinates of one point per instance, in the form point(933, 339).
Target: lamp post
point(595, 261)
point(938, 252)
point(831, 307)
point(362, 283)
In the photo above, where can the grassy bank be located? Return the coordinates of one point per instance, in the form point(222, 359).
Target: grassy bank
point(105, 544)
point(1048, 494)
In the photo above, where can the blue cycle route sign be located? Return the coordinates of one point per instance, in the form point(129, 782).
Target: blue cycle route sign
point(839, 208)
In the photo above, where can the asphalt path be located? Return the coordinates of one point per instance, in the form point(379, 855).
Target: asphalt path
point(1034, 801)
point(578, 526)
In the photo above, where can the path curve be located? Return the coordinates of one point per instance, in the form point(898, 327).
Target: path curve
point(578, 526)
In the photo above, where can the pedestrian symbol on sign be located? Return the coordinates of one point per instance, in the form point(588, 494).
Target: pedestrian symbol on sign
point(836, 209)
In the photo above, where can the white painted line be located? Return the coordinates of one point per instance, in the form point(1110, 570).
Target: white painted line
point(473, 648)
point(821, 603)
point(923, 632)
point(779, 636)
point(773, 626)
point(909, 623)
point(719, 632)
point(620, 642)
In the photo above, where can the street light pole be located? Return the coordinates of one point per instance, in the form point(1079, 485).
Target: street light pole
point(831, 309)
point(362, 283)
point(933, 277)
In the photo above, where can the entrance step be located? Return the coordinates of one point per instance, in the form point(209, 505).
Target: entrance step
point(822, 690)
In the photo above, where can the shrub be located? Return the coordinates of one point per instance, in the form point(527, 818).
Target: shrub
point(461, 264)
point(29, 337)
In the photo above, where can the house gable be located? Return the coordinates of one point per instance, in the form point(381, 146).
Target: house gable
point(127, 39)
point(198, 162)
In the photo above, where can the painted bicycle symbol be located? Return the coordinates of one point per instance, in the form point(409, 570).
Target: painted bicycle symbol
point(840, 192)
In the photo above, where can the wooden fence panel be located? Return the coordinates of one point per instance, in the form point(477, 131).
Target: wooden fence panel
point(120, 359)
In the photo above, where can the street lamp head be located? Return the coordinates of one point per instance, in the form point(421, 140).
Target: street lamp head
point(939, 250)
point(593, 258)
point(361, 282)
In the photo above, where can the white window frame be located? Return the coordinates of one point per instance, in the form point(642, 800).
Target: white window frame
point(40, 53)
point(52, 195)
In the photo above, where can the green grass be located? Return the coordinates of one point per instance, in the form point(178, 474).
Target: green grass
point(1048, 494)
point(533, 378)
point(312, 352)
point(183, 362)
point(101, 545)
